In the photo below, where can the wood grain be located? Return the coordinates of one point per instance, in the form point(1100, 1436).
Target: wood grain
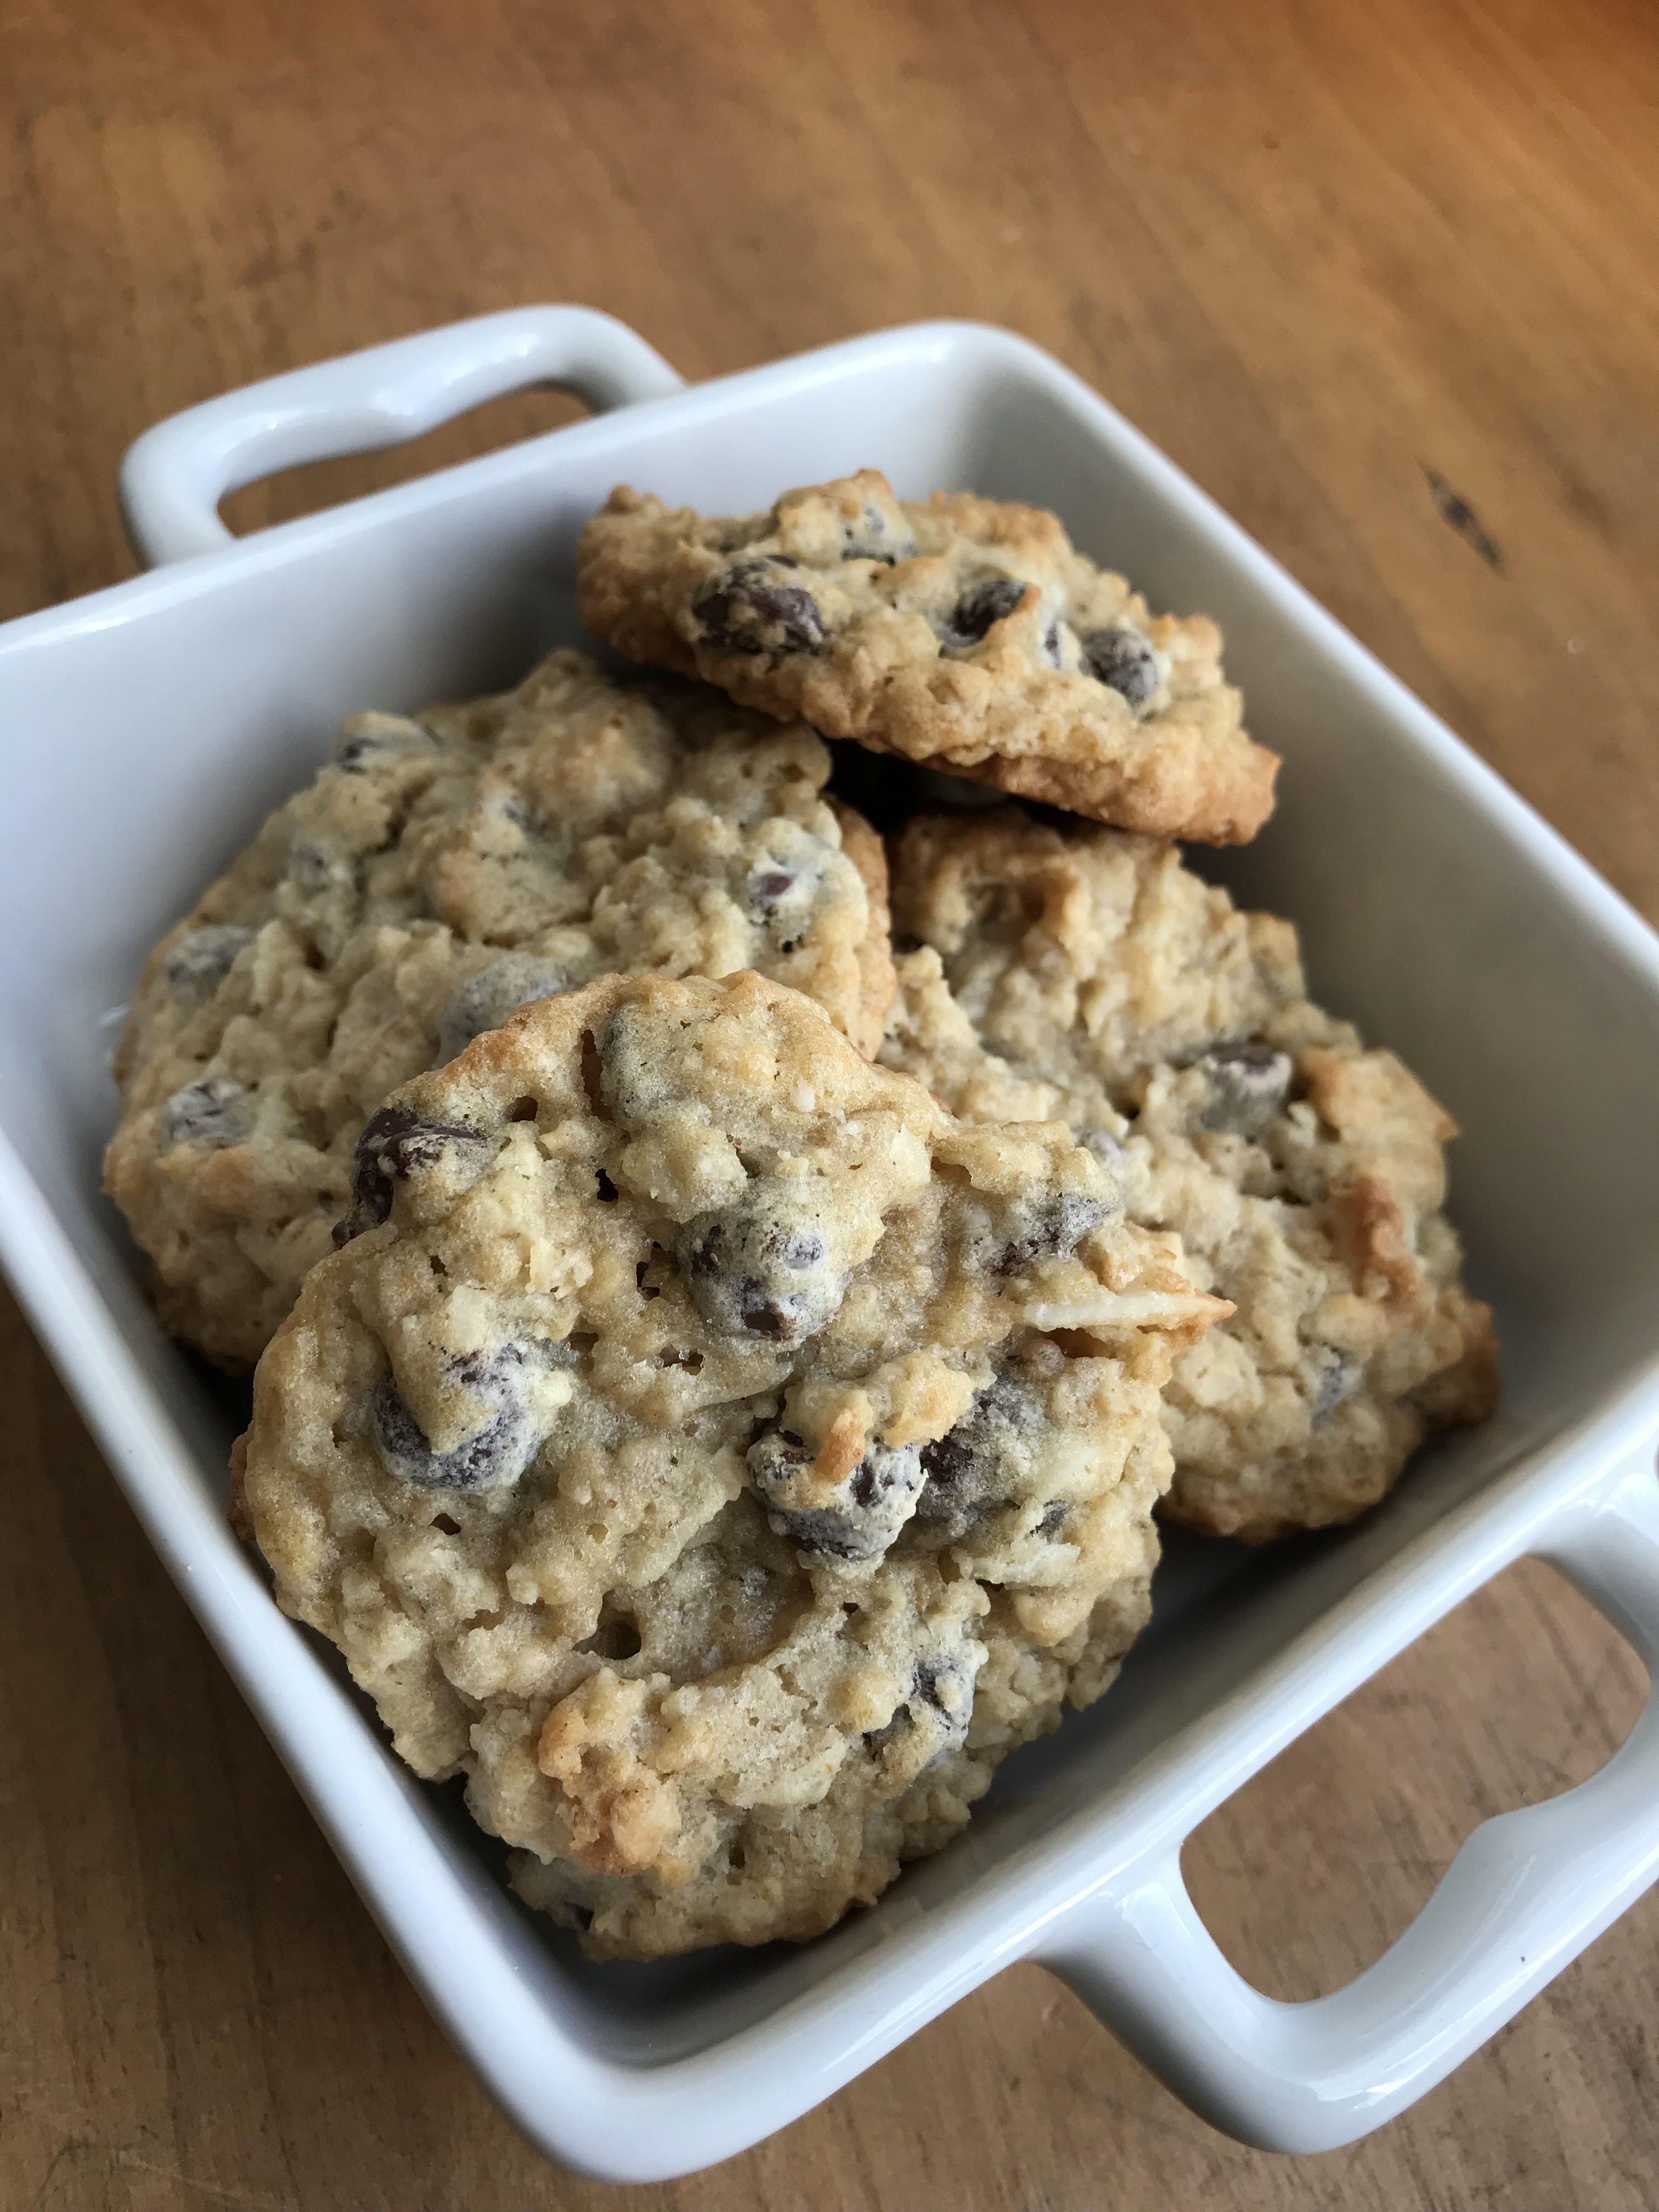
point(1386, 281)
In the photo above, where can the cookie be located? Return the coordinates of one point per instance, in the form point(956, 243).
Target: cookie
point(714, 1452)
point(437, 874)
point(961, 632)
point(1089, 975)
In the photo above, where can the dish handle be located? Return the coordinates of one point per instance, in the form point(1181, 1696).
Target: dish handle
point(1526, 1893)
point(173, 478)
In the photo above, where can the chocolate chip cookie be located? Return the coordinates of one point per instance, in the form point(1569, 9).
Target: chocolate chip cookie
point(715, 1451)
point(1089, 975)
point(437, 874)
point(958, 631)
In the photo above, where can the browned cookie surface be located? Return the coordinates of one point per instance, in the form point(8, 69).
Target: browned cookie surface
point(715, 1451)
point(1092, 976)
point(958, 631)
point(437, 874)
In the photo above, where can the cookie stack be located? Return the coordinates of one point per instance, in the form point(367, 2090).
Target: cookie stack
point(714, 1381)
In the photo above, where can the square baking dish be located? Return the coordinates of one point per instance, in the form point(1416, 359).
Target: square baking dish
point(145, 732)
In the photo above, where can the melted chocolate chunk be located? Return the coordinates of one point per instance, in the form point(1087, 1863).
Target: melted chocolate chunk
point(505, 1365)
point(504, 806)
point(497, 1453)
point(974, 1467)
point(767, 890)
point(942, 1693)
point(761, 1269)
point(874, 537)
point(1049, 1227)
point(395, 1141)
point(991, 601)
point(939, 1701)
point(485, 1001)
point(1123, 659)
point(199, 963)
point(781, 897)
point(1248, 1086)
point(1337, 1377)
point(751, 609)
point(214, 1111)
point(373, 737)
point(869, 1506)
point(316, 870)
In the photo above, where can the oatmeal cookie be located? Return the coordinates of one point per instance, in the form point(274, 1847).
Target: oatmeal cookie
point(715, 1451)
point(1089, 975)
point(958, 631)
point(436, 875)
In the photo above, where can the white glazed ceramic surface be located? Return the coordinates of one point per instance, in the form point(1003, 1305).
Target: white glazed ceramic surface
point(146, 729)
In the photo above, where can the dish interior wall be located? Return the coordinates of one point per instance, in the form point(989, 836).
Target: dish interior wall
point(147, 731)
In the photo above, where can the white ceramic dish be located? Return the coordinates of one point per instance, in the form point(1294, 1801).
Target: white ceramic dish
point(145, 731)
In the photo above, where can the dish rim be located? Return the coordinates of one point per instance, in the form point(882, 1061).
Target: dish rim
point(622, 2121)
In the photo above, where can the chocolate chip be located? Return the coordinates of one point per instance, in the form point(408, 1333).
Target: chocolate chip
point(974, 1467)
point(780, 896)
point(942, 1693)
point(485, 1001)
point(504, 1363)
point(1049, 1225)
point(200, 962)
point(317, 871)
point(1053, 644)
point(761, 1269)
point(867, 1507)
point(749, 609)
point(395, 1141)
point(931, 1682)
point(1054, 1519)
point(503, 806)
point(874, 537)
point(1249, 1085)
point(776, 1455)
point(497, 1453)
point(991, 601)
point(369, 738)
point(938, 1703)
point(1123, 659)
point(1336, 1378)
point(767, 891)
point(214, 1111)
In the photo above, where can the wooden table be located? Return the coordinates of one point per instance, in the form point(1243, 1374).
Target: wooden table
point(1384, 279)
